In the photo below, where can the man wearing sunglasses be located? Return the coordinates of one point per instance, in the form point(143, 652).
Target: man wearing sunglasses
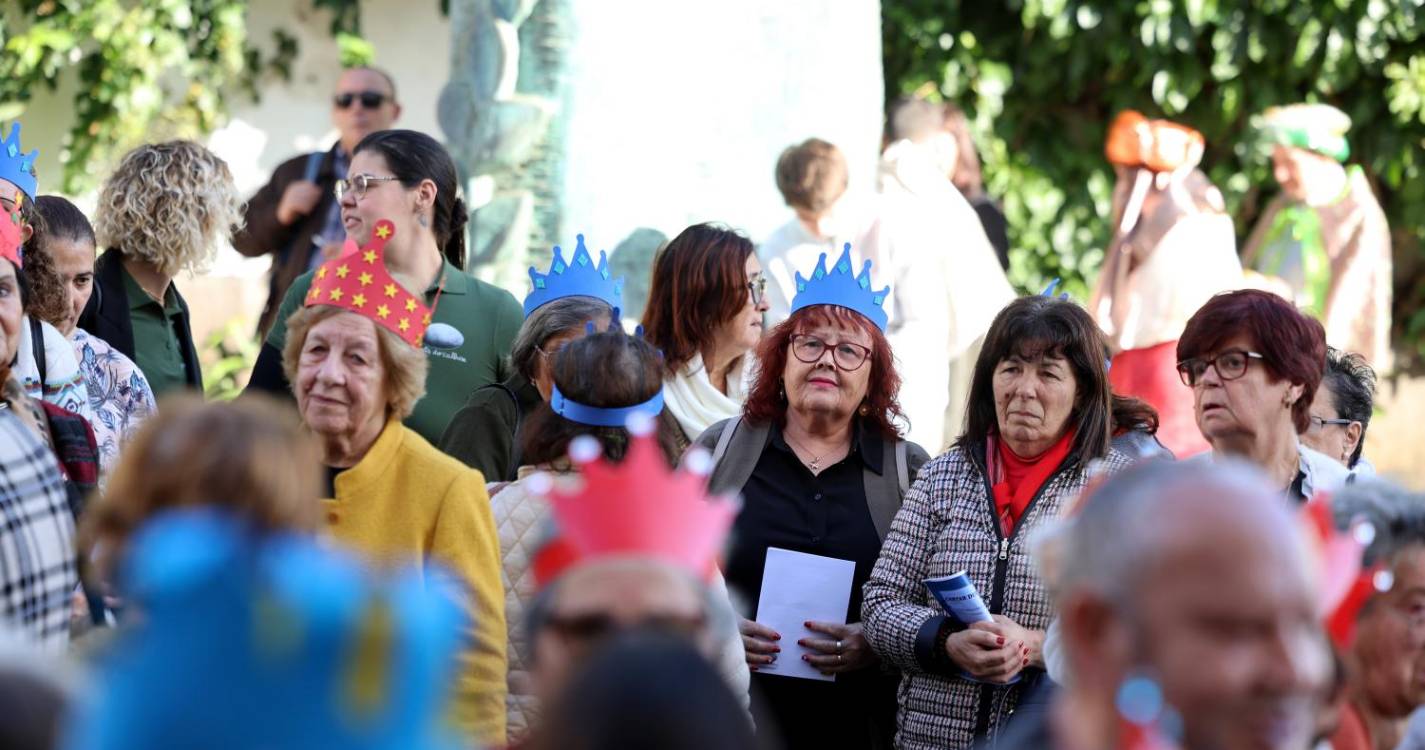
point(295, 217)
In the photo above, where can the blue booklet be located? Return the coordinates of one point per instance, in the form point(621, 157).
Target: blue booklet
point(961, 600)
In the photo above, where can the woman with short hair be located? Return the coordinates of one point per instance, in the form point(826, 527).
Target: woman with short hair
point(166, 209)
point(1254, 363)
point(353, 355)
point(1038, 427)
point(1341, 411)
point(704, 312)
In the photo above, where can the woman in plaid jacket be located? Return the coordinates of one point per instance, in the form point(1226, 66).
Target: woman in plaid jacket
point(1037, 426)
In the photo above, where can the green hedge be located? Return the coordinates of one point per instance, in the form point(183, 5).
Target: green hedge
point(1042, 79)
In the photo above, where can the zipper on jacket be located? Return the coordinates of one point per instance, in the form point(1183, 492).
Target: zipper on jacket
point(1003, 548)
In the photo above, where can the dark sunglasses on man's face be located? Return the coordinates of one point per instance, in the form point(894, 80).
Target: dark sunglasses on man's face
point(368, 99)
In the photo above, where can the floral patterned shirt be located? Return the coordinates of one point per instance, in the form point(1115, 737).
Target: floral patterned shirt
point(119, 394)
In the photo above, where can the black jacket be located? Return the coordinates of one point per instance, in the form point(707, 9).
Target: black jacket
point(107, 316)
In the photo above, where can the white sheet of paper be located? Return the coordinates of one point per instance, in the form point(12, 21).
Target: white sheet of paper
point(797, 587)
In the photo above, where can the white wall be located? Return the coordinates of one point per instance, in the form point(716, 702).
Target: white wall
point(678, 110)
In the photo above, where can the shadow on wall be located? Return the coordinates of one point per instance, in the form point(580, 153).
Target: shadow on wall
point(633, 260)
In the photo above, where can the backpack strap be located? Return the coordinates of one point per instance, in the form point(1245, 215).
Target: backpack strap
point(37, 344)
point(314, 165)
point(725, 439)
point(902, 467)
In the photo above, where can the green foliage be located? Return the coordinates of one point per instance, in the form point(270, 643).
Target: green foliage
point(227, 356)
point(1042, 79)
point(144, 69)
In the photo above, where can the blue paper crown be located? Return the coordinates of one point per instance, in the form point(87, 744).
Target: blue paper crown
point(16, 166)
point(580, 277)
point(839, 287)
point(275, 642)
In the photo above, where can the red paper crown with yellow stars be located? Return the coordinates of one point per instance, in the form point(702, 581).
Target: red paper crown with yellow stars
point(10, 239)
point(1346, 583)
point(358, 281)
point(638, 508)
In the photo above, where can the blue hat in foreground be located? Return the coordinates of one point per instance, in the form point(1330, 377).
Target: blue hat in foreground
point(244, 641)
point(580, 277)
point(16, 166)
point(839, 287)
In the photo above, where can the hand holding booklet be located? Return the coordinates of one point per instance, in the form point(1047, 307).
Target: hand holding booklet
point(961, 600)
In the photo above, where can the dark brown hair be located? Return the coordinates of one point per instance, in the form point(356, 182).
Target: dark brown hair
point(1292, 345)
point(609, 370)
point(766, 403)
point(413, 157)
point(1031, 328)
point(699, 283)
point(812, 175)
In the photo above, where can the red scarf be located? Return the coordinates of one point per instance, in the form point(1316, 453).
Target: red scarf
point(1017, 480)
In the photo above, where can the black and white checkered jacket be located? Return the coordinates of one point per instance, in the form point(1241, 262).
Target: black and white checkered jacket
point(947, 524)
point(38, 566)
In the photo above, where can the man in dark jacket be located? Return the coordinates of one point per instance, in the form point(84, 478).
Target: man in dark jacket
point(1187, 611)
point(295, 216)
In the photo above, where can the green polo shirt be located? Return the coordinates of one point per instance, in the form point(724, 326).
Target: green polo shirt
point(157, 351)
point(487, 318)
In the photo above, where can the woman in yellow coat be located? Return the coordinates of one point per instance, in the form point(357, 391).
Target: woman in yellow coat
point(353, 358)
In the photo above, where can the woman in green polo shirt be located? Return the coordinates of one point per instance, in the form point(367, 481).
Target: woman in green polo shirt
point(409, 179)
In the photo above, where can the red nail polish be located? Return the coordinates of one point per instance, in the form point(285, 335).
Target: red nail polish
point(776, 650)
point(1000, 641)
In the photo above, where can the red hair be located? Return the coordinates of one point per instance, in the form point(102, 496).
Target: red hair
point(1292, 345)
point(766, 402)
point(699, 283)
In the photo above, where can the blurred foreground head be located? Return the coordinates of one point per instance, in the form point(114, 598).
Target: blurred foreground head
point(646, 691)
point(269, 641)
point(1195, 578)
point(633, 549)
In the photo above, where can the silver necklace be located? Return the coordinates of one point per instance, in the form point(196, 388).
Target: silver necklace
point(815, 463)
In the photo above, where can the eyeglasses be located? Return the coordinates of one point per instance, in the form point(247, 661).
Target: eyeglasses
point(846, 355)
point(1231, 364)
point(358, 185)
point(758, 289)
point(368, 99)
point(1318, 423)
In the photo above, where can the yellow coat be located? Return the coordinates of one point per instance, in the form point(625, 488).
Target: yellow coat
point(406, 502)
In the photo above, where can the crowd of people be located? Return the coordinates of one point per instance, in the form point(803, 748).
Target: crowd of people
point(440, 517)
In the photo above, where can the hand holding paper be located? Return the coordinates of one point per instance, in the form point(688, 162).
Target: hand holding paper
point(797, 588)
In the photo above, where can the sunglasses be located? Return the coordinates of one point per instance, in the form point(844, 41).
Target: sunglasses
point(593, 627)
point(368, 99)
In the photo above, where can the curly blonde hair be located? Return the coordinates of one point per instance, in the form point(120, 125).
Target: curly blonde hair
point(172, 204)
point(405, 366)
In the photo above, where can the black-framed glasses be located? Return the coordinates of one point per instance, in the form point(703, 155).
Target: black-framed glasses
point(846, 355)
point(358, 185)
point(1318, 423)
point(368, 99)
point(1231, 364)
point(758, 289)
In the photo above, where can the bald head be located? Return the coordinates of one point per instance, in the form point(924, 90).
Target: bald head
point(1194, 573)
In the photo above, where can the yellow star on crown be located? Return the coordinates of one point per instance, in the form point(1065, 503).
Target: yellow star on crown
point(410, 304)
point(390, 290)
point(322, 272)
point(425, 320)
point(335, 295)
point(369, 256)
point(404, 325)
point(342, 271)
point(383, 312)
point(364, 278)
point(315, 292)
point(358, 300)
point(383, 231)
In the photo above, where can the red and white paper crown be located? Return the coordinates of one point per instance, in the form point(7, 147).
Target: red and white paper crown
point(638, 508)
point(1346, 583)
point(359, 281)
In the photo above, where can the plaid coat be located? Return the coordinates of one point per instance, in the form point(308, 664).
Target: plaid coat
point(38, 566)
point(947, 524)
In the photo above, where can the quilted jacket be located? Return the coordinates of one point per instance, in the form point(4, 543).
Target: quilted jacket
point(521, 520)
point(945, 525)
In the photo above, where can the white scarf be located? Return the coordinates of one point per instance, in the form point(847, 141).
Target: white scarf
point(691, 398)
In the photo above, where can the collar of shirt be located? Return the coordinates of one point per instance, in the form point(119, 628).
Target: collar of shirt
point(454, 281)
point(139, 297)
point(866, 445)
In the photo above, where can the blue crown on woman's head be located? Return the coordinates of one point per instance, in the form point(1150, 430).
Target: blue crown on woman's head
point(839, 287)
point(16, 166)
point(579, 277)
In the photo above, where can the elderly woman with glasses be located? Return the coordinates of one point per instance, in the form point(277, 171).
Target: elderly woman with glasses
point(1254, 363)
point(819, 460)
point(1341, 411)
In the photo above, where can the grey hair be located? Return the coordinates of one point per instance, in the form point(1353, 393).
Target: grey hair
point(551, 320)
point(1397, 515)
point(1118, 528)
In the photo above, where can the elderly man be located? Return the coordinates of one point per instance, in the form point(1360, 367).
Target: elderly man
point(1185, 601)
point(295, 216)
point(1325, 234)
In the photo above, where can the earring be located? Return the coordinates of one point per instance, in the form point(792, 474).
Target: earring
point(422, 220)
point(781, 390)
point(864, 410)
